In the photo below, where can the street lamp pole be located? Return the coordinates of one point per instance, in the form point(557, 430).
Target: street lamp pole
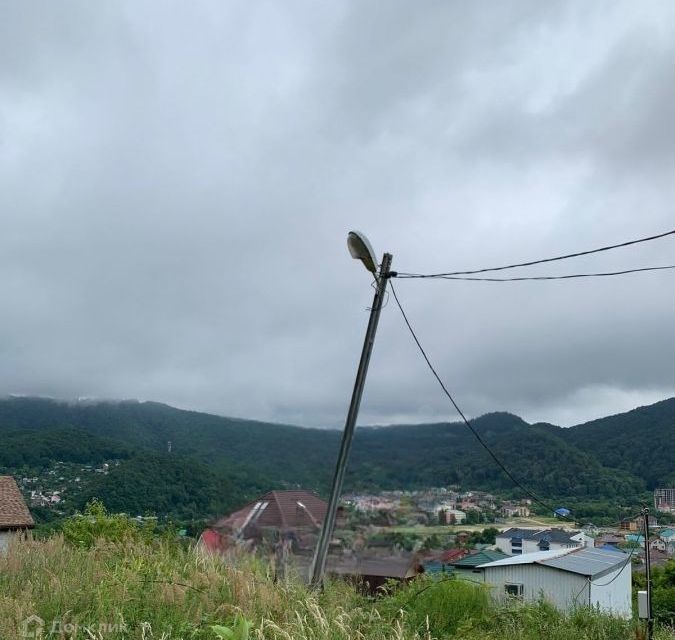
point(360, 249)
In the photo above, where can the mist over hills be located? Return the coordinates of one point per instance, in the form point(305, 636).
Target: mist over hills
point(618, 458)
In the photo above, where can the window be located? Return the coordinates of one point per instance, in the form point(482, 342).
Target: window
point(514, 590)
point(516, 552)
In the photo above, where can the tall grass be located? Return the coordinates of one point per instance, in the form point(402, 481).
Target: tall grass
point(452, 608)
point(163, 590)
point(442, 606)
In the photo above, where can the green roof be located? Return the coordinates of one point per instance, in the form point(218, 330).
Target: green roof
point(481, 557)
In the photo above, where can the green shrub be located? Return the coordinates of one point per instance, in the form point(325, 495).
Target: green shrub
point(437, 605)
point(83, 529)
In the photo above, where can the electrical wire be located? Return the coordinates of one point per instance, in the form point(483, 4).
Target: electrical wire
point(385, 304)
point(569, 276)
point(586, 584)
point(625, 564)
point(628, 560)
point(545, 260)
point(477, 435)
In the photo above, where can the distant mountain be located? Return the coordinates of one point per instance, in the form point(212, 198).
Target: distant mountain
point(641, 442)
point(617, 458)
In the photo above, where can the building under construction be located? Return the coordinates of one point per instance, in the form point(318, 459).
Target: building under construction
point(664, 500)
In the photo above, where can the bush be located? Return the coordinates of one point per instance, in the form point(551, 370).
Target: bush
point(84, 529)
point(437, 605)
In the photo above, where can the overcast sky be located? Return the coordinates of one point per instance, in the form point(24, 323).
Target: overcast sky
point(177, 181)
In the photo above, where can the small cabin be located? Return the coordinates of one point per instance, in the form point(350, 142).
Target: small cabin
point(14, 514)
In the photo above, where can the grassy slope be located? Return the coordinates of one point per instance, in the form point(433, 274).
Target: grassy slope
point(163, 590)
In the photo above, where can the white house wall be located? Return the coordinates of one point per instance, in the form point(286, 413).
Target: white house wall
point(560, 588)
point(531, 546)
point(614, 594)
point(585, 539)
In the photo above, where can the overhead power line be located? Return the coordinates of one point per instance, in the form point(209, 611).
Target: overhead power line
point(628, 559)
point(477, 435)
point(523, 278)
point(543, 260)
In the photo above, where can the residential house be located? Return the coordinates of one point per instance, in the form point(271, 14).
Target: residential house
point(567, 578)
point(609, 539)
point(467, 568)
point(656, 544)
point(454, 555)
point(636, 523)
point(511, 510)
point(441, 562)
point(516, 541)
point(373, 503)
point(294, 516)
point(14, 514)
point(373, 573)
point(462, 537)
point(448, 515)
point(667, 535)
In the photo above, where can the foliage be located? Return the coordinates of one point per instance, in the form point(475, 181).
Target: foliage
point(239, 631)
point(168, 591)
point(32, 449)
point(486, 536)
point(164, 590)
point(600, 461)
point(440, 605)
point(97, 524)
point(663, 591)
point(165, 485)
point(614, 444)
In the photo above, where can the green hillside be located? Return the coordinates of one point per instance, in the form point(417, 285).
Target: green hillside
point(615, 459)
point(641, 442)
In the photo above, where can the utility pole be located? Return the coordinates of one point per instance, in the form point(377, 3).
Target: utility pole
point(319, 562)
point(648, 574)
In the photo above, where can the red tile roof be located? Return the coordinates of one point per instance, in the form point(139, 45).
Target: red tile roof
point(280, 510)
point(14, 513)
point(452, 555)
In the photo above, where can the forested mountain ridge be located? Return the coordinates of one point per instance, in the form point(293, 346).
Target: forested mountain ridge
point(616, 458)
point(650, 432)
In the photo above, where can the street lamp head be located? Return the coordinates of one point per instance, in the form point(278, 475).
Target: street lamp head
point(360, 249)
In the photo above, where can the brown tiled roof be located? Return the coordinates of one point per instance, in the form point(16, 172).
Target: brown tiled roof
point(392, 567)
point(293, 509)
point(14, 513)
point(280, 510)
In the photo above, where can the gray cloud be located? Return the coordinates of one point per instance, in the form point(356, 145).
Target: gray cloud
point(177, 183)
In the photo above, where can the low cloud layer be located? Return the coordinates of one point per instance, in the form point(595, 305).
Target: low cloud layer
point(177, 182)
